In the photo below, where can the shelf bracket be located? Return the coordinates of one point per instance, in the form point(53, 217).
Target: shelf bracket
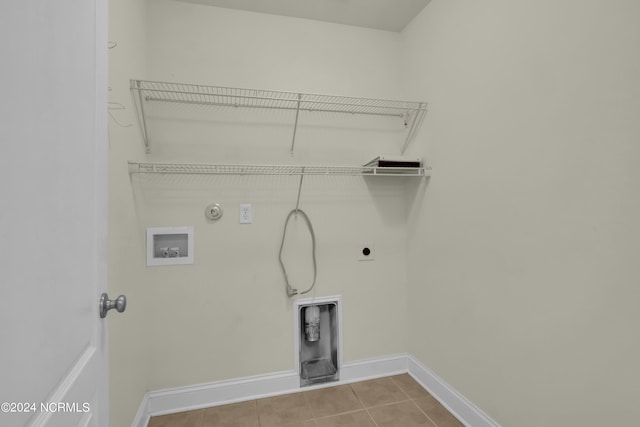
point(299, 190)
point(416, 122)
point(139, 103)
point(295, 123)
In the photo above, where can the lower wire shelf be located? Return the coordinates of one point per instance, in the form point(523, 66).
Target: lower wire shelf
point(216, 169)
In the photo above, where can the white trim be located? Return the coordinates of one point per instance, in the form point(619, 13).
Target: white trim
point(74, 382)
point(217, 393)
point(221, 393)
point(450, 398)
point(368, 369)
point(142, 416)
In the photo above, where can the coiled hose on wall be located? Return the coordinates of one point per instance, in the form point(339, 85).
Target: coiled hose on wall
point(291, 291)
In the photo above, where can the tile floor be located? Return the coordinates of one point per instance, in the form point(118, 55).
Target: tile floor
point(397, 401)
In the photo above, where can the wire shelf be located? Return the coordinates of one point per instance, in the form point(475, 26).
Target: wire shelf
point(412, 113)
point(213, 169)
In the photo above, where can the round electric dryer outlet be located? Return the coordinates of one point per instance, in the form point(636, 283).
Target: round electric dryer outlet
point(366, 252)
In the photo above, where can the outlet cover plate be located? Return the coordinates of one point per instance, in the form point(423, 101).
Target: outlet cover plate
point(246, 213)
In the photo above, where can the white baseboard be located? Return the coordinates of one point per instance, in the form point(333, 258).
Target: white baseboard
point(367, 369)
point(256, 387)
point(221, 392)
point(143, 415)
point(450, 398)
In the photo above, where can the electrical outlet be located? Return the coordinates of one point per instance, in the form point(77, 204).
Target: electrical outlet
point(366, 252)
point(246, 215)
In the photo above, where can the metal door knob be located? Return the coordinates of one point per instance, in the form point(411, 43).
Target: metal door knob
point(106, 304)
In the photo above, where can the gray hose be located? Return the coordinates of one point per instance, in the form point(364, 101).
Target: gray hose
point(292, 291)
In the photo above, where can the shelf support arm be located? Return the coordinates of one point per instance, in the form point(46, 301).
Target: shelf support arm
point(416, 122)
point(295, 124)
point(139, 103)
point(299, 189)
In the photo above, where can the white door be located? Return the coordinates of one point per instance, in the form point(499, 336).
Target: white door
point(53, 222)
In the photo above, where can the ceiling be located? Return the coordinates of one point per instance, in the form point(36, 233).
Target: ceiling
point(388, 15)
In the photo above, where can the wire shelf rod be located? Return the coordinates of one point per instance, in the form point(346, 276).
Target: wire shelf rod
point(275, 107)
point(213, 169)
point(307, 105)
point(201, 89)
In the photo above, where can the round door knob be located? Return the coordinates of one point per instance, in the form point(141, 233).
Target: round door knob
point(106, 304)
point(121, 303)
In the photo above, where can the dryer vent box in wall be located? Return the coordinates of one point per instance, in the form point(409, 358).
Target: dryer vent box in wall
point(169, 245)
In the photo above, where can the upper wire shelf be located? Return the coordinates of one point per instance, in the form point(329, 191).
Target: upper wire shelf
point(410, 113)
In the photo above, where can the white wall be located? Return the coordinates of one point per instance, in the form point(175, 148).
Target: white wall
point(227, 315)
point(523, 279)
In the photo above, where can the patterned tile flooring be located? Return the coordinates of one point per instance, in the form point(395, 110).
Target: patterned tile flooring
point(397, 401)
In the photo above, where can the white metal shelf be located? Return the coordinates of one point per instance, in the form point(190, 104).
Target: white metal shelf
point(216, 169)
point(410, 113)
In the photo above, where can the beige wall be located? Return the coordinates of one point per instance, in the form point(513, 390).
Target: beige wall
point(227, 315)
point(232, 317)
point(523, 279)
point(128, 332)
point(515, 262)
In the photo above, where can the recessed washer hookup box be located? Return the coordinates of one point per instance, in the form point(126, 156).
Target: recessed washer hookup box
point(169, 245)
